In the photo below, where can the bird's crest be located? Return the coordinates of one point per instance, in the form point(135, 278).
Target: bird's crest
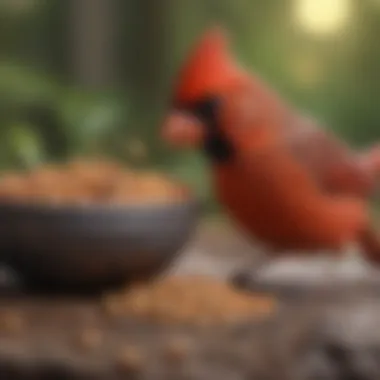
point(207, 69)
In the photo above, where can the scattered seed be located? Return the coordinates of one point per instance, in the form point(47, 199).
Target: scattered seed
point(192, 300)
point(129, 360)
point(177, 350)
point(90, 339)
point(11, 322)
point(112, 306)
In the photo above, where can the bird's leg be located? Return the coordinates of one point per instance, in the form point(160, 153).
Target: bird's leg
point(247, 278)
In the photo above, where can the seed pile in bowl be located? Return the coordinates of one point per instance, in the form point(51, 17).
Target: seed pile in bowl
point(195, 300)
point(97, 181)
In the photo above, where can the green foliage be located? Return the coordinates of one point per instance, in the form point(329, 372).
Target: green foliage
point(41, 119)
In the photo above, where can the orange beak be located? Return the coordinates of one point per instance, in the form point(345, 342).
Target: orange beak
point(182, 130)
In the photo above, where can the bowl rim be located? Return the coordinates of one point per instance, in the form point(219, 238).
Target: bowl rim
point(89, 207)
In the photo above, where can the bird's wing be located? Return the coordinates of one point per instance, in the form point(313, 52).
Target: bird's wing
point(333, 164)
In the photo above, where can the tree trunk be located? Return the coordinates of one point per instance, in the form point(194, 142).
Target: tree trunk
point(146, 59)
point(91, 37)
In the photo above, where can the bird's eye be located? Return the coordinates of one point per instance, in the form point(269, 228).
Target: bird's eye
point(206, 109)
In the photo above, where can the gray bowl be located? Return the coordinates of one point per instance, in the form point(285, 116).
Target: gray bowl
point(92, 246)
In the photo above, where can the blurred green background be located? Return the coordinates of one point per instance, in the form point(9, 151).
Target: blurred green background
point(82, 77)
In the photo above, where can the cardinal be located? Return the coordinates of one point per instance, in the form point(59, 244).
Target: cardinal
point(284, 179)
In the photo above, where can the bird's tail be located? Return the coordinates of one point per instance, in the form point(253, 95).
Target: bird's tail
point(370, 160)
point(370, 243)
point(370, 238)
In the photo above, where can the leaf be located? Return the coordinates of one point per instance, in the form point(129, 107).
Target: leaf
point(24, 144)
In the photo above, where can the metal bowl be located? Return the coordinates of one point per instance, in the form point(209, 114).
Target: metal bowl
point(92, 246)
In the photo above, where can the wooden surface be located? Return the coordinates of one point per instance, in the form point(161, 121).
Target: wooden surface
point(45, 337)
point(66, 337)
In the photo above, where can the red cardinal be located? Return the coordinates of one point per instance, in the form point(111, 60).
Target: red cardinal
point(282, 178)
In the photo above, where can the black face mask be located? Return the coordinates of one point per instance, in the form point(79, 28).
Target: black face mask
point(216, 146)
